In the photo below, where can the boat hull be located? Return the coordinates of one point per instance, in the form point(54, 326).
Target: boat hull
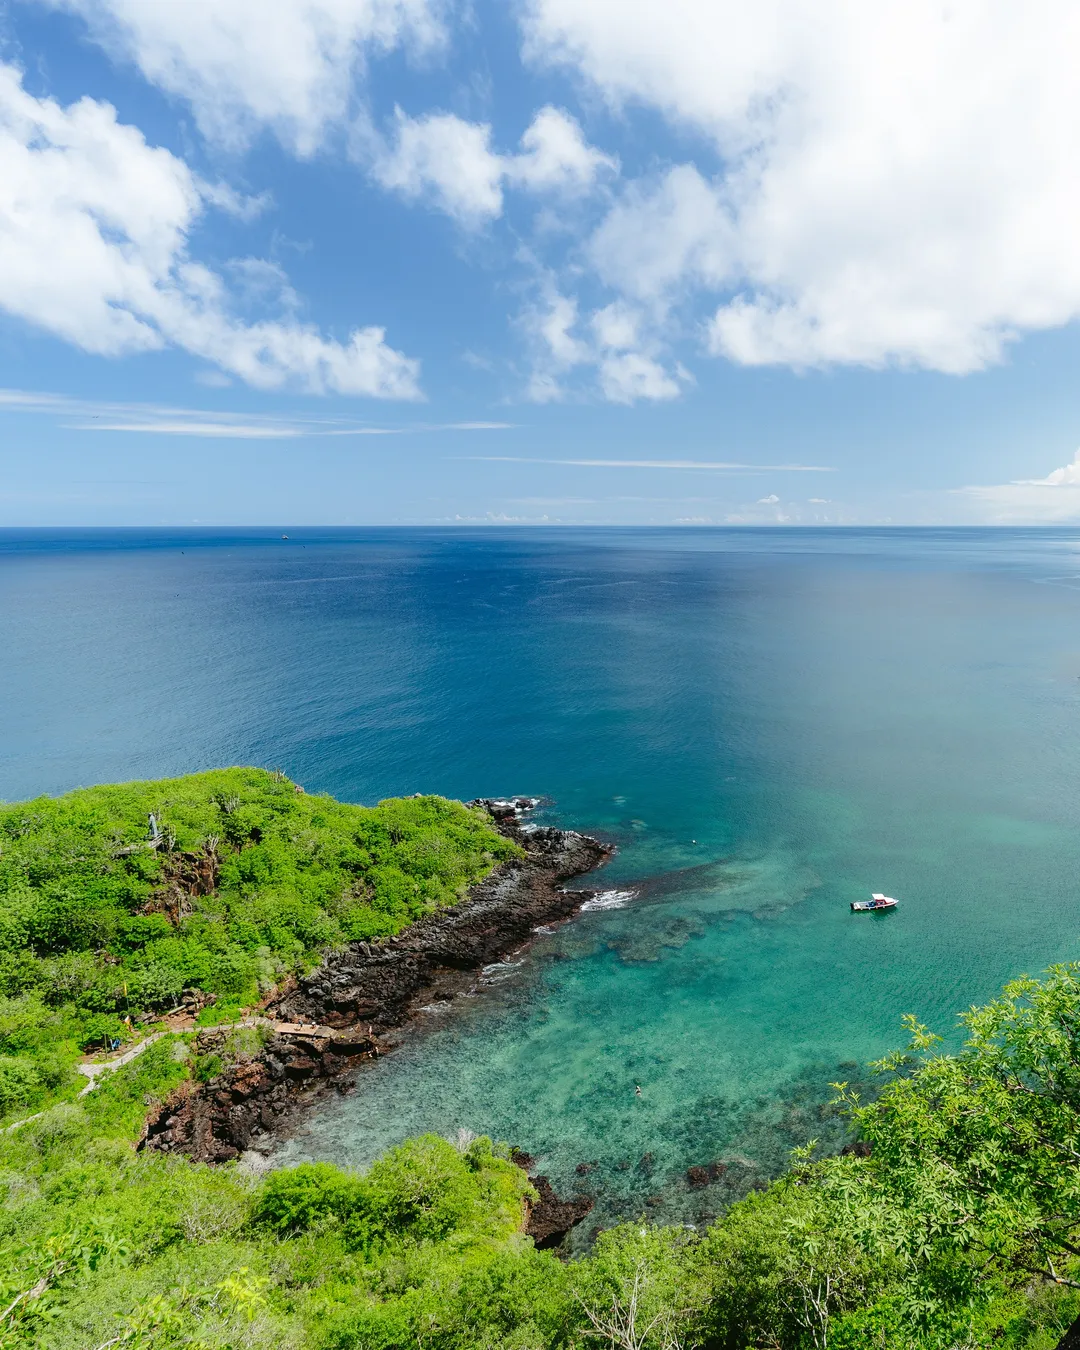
point(872, 906)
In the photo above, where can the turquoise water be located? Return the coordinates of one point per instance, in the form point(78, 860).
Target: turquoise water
point(768, 724)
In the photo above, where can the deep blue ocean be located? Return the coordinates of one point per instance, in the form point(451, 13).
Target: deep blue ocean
point(768, 723)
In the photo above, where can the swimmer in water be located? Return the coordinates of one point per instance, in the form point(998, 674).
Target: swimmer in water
point(637, 1090)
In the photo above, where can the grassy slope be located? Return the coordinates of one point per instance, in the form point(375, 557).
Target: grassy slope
point(97, 926)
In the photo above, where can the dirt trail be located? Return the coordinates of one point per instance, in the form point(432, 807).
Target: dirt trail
point(96, 1070)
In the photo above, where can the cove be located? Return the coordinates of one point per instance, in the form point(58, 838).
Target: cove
point(767, 724)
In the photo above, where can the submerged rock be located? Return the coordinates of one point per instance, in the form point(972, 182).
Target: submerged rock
point(699, 1177)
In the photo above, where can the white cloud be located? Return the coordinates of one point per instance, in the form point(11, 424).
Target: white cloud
point(899, 179)
point(697, 464)
point(214, 430)
point(95, 224)
point(163, 420)
point(629, 376)
point(549, 326)
point(664, 235)
point(449, 161)
point(607, 343)
point(1053, 500)
point(1067, 476)
point(616, 326)
point(245, 64)
point(554, 324)
point(555, 155)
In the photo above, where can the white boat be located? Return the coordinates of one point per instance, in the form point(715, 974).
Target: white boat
point(876, 901)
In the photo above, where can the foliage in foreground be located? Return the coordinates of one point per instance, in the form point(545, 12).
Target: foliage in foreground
point(959, 1232)
point(116, 900)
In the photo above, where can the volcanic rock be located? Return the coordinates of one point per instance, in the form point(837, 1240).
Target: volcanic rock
point(549, 1218)
point(369, 988)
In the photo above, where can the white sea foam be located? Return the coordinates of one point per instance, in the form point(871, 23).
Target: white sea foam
point(500, 970)
point(545, 929)
point(609, 900)
point(435, 1007)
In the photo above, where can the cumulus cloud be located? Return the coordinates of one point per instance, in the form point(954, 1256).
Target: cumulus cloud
point(245, 64)
point(631, 376)
point(446, 160)
point(1053, 500)
point(95, 225)
point(555, 155)
point(663, 236)
point(1067, 476)
point(607, 343)
point(899, 181)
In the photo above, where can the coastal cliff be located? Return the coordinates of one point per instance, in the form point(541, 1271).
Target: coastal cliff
point(346, 1011)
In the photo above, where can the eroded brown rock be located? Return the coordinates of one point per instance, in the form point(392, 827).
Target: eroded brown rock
point(549, 1219)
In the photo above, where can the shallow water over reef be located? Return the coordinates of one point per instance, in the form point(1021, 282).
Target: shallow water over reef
point(769, 724)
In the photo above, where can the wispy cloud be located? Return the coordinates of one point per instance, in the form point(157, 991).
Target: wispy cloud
point(267, 431)
point(706, 464)
point(150, 419)
point(1053, 500)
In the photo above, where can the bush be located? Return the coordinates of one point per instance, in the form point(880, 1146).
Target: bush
point(421, 1190)
point(136, 930)
point(24, 1023)
point(418, 1192)
point(296, 1198)
point(20, 971)
point(20, 1083)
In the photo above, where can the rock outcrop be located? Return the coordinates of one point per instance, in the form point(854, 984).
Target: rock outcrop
point(549, 1218)
point(360, 994)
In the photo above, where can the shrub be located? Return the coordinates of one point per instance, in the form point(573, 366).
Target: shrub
point(24, 1021)
point(422, 1189)
point(20, 1083)
point(295, 1198)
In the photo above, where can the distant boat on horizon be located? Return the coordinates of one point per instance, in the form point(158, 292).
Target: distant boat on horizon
point(876, 901)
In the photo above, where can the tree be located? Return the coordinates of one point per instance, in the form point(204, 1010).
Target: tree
point(978, 1153)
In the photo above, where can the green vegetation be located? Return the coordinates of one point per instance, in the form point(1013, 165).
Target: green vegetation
point(959, 1231)
point(117, 902)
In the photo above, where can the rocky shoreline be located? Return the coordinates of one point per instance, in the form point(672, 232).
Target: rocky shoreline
point(349, 1009)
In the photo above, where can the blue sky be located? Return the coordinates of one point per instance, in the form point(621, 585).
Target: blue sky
point(396, 261)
